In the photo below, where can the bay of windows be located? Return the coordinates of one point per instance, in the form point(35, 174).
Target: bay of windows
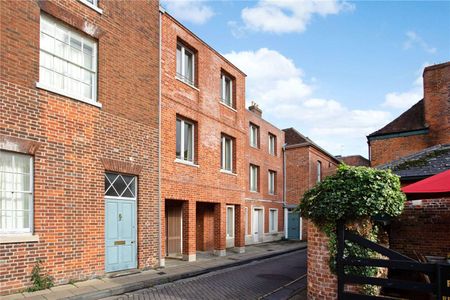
point(227, 153)
point(227, 90)
point(254, 135)
point(185, 64)
point(67, 61)
point(16, 193)
point(254, 170)
point(185, 140)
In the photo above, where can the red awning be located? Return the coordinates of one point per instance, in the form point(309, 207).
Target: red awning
point(437, 184)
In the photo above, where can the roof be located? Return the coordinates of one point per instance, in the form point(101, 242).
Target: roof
point(411, 120)
point(354, 160)
point(295, 139)
point(427, 162)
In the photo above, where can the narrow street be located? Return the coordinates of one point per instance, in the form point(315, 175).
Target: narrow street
point(273, 278)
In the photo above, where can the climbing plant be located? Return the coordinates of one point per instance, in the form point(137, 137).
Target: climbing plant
point(354, 195)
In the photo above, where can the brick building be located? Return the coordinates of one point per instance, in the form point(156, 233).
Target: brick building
point(208, 196)
point(78, 138)
point(264, 209)
point(425, 124)
point(354, 160)
point(415, 146)
point(306, 164)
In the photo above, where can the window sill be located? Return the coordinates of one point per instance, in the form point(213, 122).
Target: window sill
point(227, 106)
point(187, 83)
point(227, 172)
point(66, 94)
point(254, 192)
point(18, 238)
point(96, 8)
point(254, 147)
point(186, 162)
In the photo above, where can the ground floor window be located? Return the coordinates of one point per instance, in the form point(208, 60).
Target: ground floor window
point(273, 220)
point(16, 192)
point(230, 221)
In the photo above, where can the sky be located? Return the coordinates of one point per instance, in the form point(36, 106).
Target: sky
point(334, 70)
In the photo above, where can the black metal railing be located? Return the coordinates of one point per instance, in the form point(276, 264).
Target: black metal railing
point(439, 274)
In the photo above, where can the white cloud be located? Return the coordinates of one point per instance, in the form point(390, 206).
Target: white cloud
point(288, 100)
point(194, 11)
point(284, 16)
point(404, 100)
point(413, 39)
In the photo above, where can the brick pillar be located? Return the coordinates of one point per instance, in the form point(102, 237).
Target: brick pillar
point(189, 231)
point(321, 283)
point(220, 238)
point(239, 232)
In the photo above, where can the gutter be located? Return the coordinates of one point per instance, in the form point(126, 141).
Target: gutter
point(160, 257)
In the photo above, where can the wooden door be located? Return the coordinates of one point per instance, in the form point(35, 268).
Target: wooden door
point(174, 219)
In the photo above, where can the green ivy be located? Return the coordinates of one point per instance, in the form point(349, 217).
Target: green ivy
point(353, 195)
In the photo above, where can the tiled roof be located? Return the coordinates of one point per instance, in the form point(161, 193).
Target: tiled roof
point(427, 162)
point(293, 137)
point(412, 119)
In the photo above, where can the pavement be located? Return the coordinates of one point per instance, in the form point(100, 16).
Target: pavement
point(276, 278)
point(174, 270)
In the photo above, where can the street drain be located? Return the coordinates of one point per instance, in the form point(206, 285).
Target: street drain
point(279, 277)
point(161, 273)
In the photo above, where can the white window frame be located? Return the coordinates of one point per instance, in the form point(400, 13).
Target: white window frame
point(182, 76)
point(254, 180)
point(254, 135)
point(30, 229)
point(223, 164)
point(93, 5)
point(71, 32)
point(273, 223)
point(233, 221)
point(246, 220)
point(223, 90)
point(181, 158)
point(271, 175)
point(319, 171)
point(272, 144)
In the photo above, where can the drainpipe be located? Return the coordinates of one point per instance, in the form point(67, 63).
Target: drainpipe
point(160, 256)
point(284, 194)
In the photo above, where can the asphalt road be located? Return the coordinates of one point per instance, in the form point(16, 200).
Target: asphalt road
point(278, 277)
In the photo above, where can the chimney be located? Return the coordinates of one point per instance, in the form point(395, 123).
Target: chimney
point(254, 108)
point(436, 84)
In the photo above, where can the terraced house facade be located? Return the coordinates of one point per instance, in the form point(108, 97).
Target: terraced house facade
point(78, 138)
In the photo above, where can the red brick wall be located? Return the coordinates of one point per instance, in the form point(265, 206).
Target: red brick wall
point(204, 182)
point(74, 136)
point(437, 117)
point(322, 284)
point(423, 227)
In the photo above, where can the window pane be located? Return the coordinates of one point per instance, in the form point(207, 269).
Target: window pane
point(189, 63)
point(179, 62)
point(178, 139)
point(227, 91)
point(188, 146)
point(228, 154)
point(46, 42)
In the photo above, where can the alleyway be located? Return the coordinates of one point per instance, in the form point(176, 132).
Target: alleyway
point(268, 278)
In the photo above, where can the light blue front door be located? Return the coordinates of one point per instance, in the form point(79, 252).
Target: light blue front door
point(293, 226)
point(120, 235)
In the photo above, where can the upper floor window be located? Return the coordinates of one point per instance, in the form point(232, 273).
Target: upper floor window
point(67, 61)
point(319, 171)
point(16, 192)
point(254, 135)
point(272, 144)
point(227, 90)
point(227, 153)
point(185, 140)
point(271, 182)
point(93, 2)
point(254, 178)
point(185, 64)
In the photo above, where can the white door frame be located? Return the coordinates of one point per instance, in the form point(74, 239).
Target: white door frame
point(260, 234)
point(230, 239)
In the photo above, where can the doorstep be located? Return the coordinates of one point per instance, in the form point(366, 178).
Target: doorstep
point(106, 287)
